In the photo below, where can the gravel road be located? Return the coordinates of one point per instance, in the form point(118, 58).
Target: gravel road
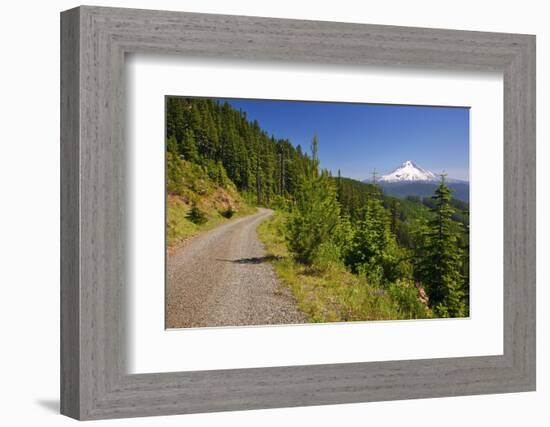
point(222, 278)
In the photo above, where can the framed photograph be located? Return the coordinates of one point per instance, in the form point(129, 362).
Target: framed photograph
point(261, 213)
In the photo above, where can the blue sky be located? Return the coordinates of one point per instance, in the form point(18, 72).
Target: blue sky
point(356, 138)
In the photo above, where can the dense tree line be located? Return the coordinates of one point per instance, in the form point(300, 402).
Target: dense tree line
point(353, 195)
point(330, 219)
point(213, 133)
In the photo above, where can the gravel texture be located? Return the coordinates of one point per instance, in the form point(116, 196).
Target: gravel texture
point(223, 278)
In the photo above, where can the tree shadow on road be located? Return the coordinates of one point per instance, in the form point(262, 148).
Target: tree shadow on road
point(252, 260)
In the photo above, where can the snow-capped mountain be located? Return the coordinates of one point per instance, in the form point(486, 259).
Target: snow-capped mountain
point(412, 180)
point(407, 172)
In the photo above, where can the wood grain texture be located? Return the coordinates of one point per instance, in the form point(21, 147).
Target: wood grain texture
point(94, 272)
point(70, 221)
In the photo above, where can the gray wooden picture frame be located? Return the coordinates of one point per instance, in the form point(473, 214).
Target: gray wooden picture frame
point(94, 382)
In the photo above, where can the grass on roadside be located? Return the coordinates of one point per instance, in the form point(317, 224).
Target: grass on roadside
point(332, 293)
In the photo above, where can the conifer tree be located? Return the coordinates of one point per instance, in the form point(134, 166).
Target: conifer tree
point(439, 259)
point(176, 121)
point(394, 209)
point(189, 146)
point(172, 145)
point(315, 216)
point(374, 246)
point(339, 186)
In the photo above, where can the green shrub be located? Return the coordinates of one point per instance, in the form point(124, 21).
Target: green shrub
point(196, 216)
point(405, 297)
point(280, 203)
point(228, 213)
point(326, 256)
point(372, 272)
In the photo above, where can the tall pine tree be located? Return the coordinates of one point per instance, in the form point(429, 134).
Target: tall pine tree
point(440, 257)
point(315, 216)
point(188, 146)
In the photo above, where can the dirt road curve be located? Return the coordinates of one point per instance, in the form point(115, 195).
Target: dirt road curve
point(222, 278)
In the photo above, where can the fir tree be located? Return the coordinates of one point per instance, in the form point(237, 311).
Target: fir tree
point(172, 145)
point(339, 186)
point(196, 216)
point(374, 246)
point(315, 216)
point(440, 257)
point(189, 146)
point(394, 210)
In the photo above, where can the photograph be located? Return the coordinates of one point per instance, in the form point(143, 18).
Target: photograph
point(283, 212)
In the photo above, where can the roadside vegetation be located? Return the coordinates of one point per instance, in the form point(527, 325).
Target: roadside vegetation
point(326, 290)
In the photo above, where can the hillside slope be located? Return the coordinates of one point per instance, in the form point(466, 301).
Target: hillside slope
point(208, 190)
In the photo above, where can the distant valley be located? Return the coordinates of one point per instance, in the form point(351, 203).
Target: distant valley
point(461, 190)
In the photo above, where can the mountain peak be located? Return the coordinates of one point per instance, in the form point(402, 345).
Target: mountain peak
point(408, 163)
point(409, 171)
